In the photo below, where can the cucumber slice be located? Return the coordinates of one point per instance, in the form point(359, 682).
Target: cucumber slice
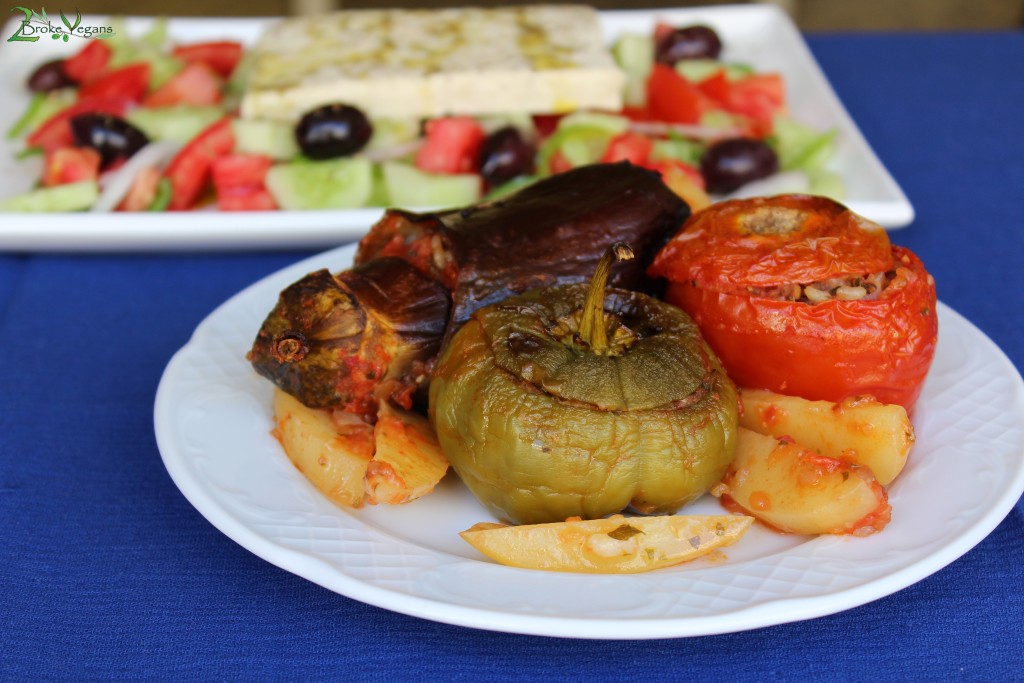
point(239, 80)
point(611, 124)
point(334, 184)
point(276, 139)
point(634, 54)
point(70, 197)
point(379, 194)
point(510, 187)
point(718, 118)
point(697, 70)
point(156, 35)
point(581, 137)
point(179, 123)
point(800, 146)
point(391, 132)
point(410, 187)
point(679, 149)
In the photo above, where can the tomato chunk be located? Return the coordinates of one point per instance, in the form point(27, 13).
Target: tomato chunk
point(631, 147)
point(240, 170)
point(671, 98)
point(189, 171)
point(129, 82)
point(246, 199)
point(221, 56)
point(196, 84)
point(759, 97)
point(56, 131)
point(452, 145)
point(71, 165)
point(90, 61)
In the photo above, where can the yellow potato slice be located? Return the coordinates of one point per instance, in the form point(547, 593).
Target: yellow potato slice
point(794, 489)
point(862, 430)
point(332, 453)
point(686, 188)
point(353, 463)
point(615, 545)
point(408, 462)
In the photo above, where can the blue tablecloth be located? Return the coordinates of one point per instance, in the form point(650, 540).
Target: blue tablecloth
point(106, 571)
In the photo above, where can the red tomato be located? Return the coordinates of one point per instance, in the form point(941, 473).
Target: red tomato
point(729, 252)
point(240, 170)
point(452, 145)
point(221, 56)
point(71, 165)
point(196, 84)
point(130, 82)
point(636, 113)
point(760, 97)
point(246, 199)
point(56, 131)
point(716, 87)
point(671, 98)
point(90, 61)
point(189, 170)
point(142, 192)
point(631, 147)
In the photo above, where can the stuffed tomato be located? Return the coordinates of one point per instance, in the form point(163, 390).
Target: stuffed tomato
point(799, 295)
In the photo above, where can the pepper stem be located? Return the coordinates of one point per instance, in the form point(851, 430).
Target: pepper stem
point(593, 328)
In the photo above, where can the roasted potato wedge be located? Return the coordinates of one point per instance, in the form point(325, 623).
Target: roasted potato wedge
point(408, 461)
point(797, 490)
point(352, 462)
point(858, 429)
point(614, 545)
point(333, 456)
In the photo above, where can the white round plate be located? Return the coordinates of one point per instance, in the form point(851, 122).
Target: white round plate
point(213, 423)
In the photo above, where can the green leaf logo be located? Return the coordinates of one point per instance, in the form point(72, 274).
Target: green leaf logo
point(17, 37)
point(71, 28)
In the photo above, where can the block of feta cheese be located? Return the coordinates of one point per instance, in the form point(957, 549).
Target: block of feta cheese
point(427, 63)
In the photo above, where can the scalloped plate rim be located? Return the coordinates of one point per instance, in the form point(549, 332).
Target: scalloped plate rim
point(765, 612)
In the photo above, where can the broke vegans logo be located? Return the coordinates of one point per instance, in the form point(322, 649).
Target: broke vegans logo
point(37, 24)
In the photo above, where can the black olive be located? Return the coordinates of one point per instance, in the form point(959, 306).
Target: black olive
point(504, 155)
point(49, 76)
point(691, 42)
point(112, 137)
point(333, 130)
point(728, 164)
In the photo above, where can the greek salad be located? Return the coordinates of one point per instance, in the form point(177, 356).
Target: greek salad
point(141, 124)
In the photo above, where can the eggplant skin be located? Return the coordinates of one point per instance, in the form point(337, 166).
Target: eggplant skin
point(554, 233)
point(343, 341)
point(550, 233)
point(349, 340)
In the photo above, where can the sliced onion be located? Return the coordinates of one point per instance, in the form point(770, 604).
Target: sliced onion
point(693, 132)
point(781, 183)
point(115, 184)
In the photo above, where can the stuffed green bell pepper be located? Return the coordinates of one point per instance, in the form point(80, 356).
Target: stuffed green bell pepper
point(582, 401)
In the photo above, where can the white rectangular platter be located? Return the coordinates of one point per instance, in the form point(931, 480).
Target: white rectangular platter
point(761, 35)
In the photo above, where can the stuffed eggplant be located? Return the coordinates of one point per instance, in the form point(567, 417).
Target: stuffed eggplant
point(348, 341)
